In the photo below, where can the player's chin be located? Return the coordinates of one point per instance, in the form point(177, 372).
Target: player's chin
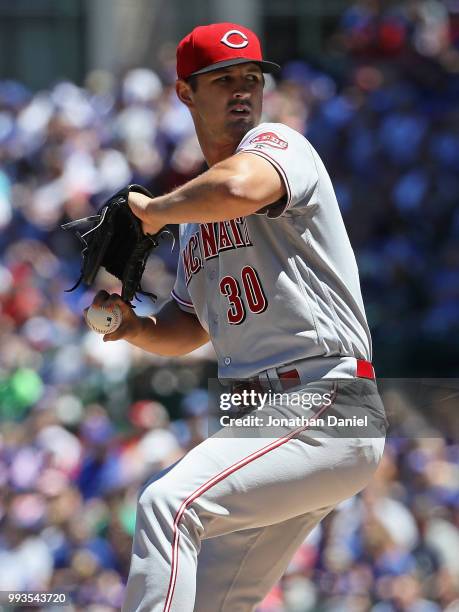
point(241, 125)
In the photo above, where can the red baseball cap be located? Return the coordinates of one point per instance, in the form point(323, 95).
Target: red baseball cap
point(219, 45)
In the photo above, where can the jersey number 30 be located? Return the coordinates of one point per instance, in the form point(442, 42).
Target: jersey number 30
point(254, 295)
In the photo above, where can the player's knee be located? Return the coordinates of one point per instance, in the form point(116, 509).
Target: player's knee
point(158, 498)
point(160, 507)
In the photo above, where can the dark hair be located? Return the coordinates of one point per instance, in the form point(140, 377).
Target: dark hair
point(193, 81)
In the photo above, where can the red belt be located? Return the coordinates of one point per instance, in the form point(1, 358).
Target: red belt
point(292, 378)
point(365, 369)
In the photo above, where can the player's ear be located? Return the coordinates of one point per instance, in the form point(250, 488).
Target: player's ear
point(184, 92)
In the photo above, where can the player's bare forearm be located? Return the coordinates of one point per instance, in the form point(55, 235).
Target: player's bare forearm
point(237, 186)
point(170, 333)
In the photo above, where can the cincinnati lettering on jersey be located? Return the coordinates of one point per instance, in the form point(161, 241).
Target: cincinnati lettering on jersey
point(271, 139)
point(210, 240)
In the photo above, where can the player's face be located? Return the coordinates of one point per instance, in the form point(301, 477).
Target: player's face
point(226, 103)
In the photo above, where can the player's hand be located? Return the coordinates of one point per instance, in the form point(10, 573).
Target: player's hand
point(130, 325)
point(143, 208)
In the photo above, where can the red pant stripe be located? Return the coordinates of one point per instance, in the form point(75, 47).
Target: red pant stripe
point(213, 481)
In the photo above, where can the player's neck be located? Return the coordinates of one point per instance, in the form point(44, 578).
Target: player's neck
point(216, 154)
point(216, 150)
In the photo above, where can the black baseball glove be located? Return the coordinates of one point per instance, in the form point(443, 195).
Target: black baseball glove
point(116, 241)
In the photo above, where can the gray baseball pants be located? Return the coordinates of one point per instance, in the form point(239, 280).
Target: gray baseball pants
point(215, 531)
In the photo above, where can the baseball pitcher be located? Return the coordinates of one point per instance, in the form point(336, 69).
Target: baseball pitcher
point(267, 274)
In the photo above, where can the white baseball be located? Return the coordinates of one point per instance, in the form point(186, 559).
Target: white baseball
point(104, 319)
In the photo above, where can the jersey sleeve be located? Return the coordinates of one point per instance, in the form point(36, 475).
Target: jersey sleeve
point(291, 155)
point(180, 291)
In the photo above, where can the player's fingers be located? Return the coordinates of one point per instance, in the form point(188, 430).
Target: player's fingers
point(107, 300)
point(100, 298)
point(118, 334)
point(115, 299)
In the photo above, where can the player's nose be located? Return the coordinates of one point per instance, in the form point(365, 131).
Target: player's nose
point(241, 89)
point(241, 95)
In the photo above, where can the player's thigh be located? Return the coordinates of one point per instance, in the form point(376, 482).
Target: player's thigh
point(237, 570)
point(232, 481)
point(233, 484)
point(286, 479)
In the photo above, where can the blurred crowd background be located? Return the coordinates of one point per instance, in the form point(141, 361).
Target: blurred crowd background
point(83, 423)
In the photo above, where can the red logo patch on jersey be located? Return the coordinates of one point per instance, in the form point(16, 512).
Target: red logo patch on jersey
point(271, 139)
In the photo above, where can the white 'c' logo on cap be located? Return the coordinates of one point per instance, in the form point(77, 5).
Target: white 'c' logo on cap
point(240, 45)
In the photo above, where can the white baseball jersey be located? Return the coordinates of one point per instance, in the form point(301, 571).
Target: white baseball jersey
point(282, 284)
